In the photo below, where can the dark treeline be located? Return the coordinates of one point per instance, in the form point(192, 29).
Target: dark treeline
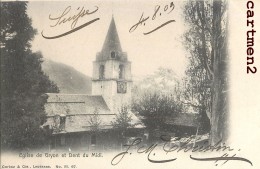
point(22, 81)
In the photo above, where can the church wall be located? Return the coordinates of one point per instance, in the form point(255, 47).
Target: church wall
point(108, 89)
point(95, 73)
point(121, 99)
point(103, 88)
point(128, 75)
point(112, 69)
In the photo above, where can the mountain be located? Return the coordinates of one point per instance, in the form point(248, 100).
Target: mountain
point(67, 78)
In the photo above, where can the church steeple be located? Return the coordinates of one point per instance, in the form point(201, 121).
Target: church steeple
point(111, 48)
point(112, 42)
point(112, 72)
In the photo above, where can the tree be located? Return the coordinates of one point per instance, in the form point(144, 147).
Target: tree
point(95, 120)
point(154, 108)
point(22, 80)
point(207, 79)
point(220, 111)
point(122, 123)
point(123, 119)
point(157, 97)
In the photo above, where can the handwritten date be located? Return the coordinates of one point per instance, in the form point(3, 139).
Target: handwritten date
point(158, 11)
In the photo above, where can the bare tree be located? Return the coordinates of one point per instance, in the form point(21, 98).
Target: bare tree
point(95, 120)
point(123, 119)
point(122, 122)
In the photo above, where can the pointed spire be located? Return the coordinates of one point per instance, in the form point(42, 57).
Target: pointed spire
point(112, 42)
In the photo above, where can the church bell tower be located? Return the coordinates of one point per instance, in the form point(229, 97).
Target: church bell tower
point(112, 72)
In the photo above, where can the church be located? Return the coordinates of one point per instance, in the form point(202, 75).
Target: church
point(71, 117)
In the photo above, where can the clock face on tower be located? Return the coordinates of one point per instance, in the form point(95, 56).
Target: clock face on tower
point(121, 87)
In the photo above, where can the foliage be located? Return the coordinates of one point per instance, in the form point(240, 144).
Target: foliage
point(157, 97)
point(154, 108)
point(206, 42)
point(95, 120)
point(22, 80)
point(197, 41)
point(123, 119)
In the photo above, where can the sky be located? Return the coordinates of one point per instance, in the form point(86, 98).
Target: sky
point(162, 48)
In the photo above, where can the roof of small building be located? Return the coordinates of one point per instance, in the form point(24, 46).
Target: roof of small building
point(78, 110)
point(184, 119)
point(71, 104)
point(79, 123)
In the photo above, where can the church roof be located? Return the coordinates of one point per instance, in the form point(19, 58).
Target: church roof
point(78, 110)
point(112, 42)
point(71, 104)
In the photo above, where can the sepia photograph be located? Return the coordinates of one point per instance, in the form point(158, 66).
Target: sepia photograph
point(129, 84)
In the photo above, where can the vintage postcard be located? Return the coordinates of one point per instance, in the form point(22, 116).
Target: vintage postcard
point(130, 84)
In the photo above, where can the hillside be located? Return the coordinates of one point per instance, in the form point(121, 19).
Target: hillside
point(67, 78)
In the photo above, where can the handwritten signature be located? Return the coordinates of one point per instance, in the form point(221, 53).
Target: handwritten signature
point(186, 146)
point(65, 17)
point(158, 11)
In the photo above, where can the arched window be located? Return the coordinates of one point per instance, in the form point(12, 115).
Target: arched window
point(113, 54)
point(101, 72)
point(121, 71)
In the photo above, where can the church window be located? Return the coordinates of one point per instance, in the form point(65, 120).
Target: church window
point(121, 72)
point(101, 72)
point(113, 54)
